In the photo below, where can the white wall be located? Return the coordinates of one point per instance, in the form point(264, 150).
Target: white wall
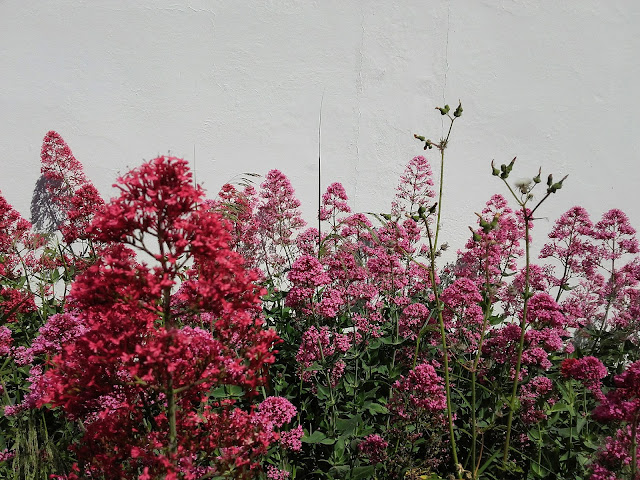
point(553, 82)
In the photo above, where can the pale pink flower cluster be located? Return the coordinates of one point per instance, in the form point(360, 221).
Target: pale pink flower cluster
point(279, 219)
point(415, 189)
point(334, 203)
point(493, 255)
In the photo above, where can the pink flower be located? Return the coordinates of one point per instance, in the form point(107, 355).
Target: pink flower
point(415, 189)
point(6, 455)
point(421, 389)
point(279, 217)
point(69, 188)
point(623, 402)
point(276, 411)
point(374, 447)
point(292, 439)
point(334, 202)
point(494, 252)
point(413, 318)
point(5, 341)
point(274, 473)
point(571, 245)
point(308, 271)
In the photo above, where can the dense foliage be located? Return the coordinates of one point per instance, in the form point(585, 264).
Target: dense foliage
point(161, 335)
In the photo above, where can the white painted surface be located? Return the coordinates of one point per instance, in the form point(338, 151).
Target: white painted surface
point(553, 82)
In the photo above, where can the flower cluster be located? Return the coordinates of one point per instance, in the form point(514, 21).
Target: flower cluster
point(374, 447)
point(76, 198)
point(421, 389)
point(133, 361)
point(146, 338)
point(588, 370)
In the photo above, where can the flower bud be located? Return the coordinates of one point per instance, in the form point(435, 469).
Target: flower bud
point(443, 111)
point(458, 112)
point(549, 180)
point(536, 179)
point(476, 235)
point(419, 137)
point(494, 171)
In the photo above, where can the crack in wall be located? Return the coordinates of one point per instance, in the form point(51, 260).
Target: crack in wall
point(446, 62)
point(359, 91)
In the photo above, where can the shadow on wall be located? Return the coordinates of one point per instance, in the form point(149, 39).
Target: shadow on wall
point(44, 216)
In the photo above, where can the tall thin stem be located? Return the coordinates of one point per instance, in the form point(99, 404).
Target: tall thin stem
point(476, 361)
point(445, 350)
point(634, 449)
point(523, 328)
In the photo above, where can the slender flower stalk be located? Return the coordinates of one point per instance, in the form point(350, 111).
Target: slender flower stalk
point(525, 189)
point(433, 249)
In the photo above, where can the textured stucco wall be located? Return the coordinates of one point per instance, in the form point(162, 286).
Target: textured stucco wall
point(555, 83)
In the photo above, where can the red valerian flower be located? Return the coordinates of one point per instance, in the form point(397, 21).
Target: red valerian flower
point(374, 447)
point(158, 339)
point(75, 197)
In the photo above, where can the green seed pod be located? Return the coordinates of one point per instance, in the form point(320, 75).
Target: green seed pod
point(536, 179)
point(476, 235)
point(494, 171)
point(419, 137)
point(458, 112)
point(549, 180)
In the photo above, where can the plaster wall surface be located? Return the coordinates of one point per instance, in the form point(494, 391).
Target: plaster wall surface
point(238, 87)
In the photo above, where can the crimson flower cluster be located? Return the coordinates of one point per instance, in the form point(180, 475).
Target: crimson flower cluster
point(155, 340)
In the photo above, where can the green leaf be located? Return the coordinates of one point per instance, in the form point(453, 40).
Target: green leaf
point(363, 472)
point(375, 408)
point(582, 421)
point(315, 437)
point(323, 392)
point(347, 425)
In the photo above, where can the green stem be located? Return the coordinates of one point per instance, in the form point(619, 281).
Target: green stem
point(171, 414)
point(634, 450)
point(523, 329)
point(445, 350)
point(476, 361)
point(435, 242)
